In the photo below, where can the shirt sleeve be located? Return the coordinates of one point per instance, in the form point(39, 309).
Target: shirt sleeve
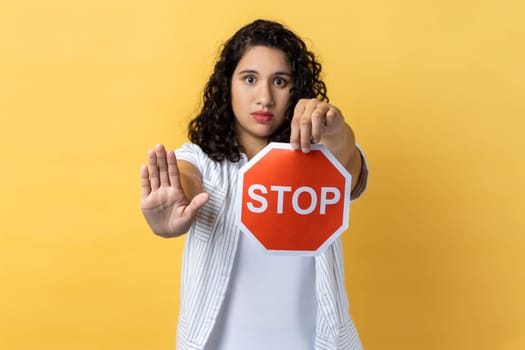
point(192, 153)
point(362, 182)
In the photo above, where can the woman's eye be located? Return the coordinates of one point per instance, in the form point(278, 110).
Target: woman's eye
point(250, 79)
point(279, 82)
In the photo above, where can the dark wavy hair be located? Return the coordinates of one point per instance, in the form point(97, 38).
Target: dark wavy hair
point(213, 129)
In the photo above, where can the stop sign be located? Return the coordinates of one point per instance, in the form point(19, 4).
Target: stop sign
point(293, 202)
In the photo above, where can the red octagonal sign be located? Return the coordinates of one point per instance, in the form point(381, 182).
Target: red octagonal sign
point(293, 202)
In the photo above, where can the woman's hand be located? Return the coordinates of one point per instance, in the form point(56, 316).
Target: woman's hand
point(164, 204)
point(315, 121)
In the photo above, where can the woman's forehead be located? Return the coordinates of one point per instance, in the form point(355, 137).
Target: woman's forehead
point(264, 59)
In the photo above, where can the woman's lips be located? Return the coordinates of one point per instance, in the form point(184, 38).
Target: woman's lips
point(262, 116)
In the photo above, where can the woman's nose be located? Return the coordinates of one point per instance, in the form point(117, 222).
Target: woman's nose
point(265, 96)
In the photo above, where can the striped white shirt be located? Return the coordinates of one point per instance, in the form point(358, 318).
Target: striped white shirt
point(209, 255)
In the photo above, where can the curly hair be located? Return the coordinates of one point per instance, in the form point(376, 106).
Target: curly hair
point(213, 129)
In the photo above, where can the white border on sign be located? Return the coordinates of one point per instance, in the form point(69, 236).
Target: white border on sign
point(346, 198)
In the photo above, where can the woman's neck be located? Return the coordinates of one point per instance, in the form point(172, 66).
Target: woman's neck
point(253, 147)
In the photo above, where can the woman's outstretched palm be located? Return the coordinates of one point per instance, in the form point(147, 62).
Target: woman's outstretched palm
point(164, 204)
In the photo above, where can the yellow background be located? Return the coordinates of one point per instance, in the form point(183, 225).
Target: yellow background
point(435, 254)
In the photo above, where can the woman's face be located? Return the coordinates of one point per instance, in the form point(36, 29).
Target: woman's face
point(260, 94)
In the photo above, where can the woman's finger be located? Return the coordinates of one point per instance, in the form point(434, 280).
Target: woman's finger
point(144, 181)
point(153, 170)
point(196, 203)
point(162, 164)
point(319, 121)
point(173, 170)
point(334, 120)
point(305, 126)
point(295, 128)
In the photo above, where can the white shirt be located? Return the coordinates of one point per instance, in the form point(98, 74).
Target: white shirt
point(270, 303)
point(209, 256)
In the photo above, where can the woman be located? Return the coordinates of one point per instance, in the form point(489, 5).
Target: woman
point(265, 87)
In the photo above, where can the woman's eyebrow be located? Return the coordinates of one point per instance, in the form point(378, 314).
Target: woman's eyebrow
point(253, 71)
point(283, 73)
